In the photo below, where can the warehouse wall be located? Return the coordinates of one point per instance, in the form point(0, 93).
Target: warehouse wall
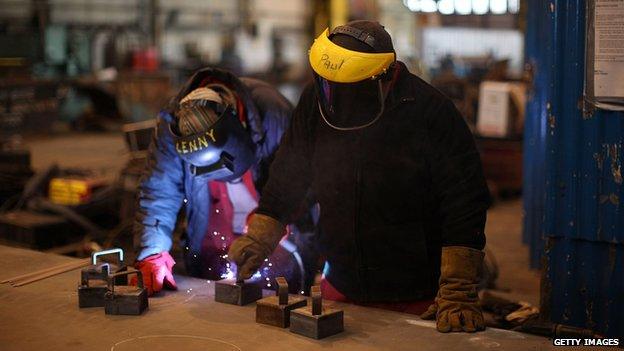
point(500, 43)
point(197, 23)
point(401, 24)
point(16, 10)
point(200, 24)
point(289, 19)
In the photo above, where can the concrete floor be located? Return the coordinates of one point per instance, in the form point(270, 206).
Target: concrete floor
point(107, 153)
point(504, 239)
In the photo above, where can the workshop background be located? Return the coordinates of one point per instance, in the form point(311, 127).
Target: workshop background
point(81, 82)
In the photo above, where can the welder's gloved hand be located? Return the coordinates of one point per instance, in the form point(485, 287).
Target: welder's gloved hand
point(249, 251)
point(456, 307)
point(157, 273)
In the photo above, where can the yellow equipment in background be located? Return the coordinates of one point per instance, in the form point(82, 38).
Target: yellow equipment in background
point(73, 191)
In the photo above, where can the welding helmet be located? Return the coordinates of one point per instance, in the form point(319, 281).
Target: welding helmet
point(212, 139)
point(350, 63)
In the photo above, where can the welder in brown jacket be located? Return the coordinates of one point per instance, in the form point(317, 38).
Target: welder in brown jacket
point(398, 178)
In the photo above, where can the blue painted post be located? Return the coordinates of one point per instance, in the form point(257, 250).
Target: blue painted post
point(573, 190)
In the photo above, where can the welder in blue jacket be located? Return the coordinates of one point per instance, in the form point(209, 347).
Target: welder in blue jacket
point(211, 153)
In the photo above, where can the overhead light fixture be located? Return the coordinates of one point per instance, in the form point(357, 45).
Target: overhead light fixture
point(446, 7)
point(514, 6)
point(480, 7)
point(428, 6)
point(498, 7)
point(412, 5)
point(463, 7)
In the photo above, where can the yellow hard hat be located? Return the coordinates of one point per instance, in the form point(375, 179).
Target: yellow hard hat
point(341, 65)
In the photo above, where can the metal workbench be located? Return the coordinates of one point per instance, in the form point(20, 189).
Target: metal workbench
point(45, 316)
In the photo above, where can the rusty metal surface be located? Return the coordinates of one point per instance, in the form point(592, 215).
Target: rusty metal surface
point(303, 322)
point(45, 316)
point(574, 212)
point(272, 310)
point(125, 299)
point(237, 292)
point(314, 321)
point(93, 286)
point(317, 300)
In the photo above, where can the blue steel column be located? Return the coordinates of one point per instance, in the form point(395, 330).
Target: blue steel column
point(583, 217)
point(538, 45)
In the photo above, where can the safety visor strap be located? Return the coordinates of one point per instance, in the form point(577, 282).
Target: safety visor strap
point(199, 108)
point(356, 34)
point(219, 109)
point(240, 105)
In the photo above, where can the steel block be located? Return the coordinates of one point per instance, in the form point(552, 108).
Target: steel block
point(237, 292)
point(275, 310)
point(315, 321)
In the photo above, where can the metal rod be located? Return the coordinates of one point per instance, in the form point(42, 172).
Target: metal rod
point(317, 300)
point(282, 290)
point(117, 250)
point(35, 273)
point(59, 270)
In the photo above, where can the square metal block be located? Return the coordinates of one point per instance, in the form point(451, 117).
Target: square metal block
point(93, 286)
point(328, 323)
point(126, 300)
point(269, 311)
point(93, 295)
point(231, 292)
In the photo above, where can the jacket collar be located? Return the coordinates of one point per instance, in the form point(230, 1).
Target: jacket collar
point(401, 90)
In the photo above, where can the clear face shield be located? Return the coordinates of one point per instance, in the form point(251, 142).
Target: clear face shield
point(349, 106)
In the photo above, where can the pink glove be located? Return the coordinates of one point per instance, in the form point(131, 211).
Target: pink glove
point(156, 270)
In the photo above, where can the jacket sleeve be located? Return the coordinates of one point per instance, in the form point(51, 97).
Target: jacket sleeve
point(457, 176)
point(276, 112)
point(290, 172)
point(160, 194)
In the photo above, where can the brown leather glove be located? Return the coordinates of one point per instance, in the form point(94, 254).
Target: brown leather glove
point(456, 307)
point(249, 251)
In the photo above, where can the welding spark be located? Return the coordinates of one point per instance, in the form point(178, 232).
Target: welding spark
point(228, 275)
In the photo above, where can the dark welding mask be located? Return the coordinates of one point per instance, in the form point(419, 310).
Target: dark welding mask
point(350, 64)
point(218, 147)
